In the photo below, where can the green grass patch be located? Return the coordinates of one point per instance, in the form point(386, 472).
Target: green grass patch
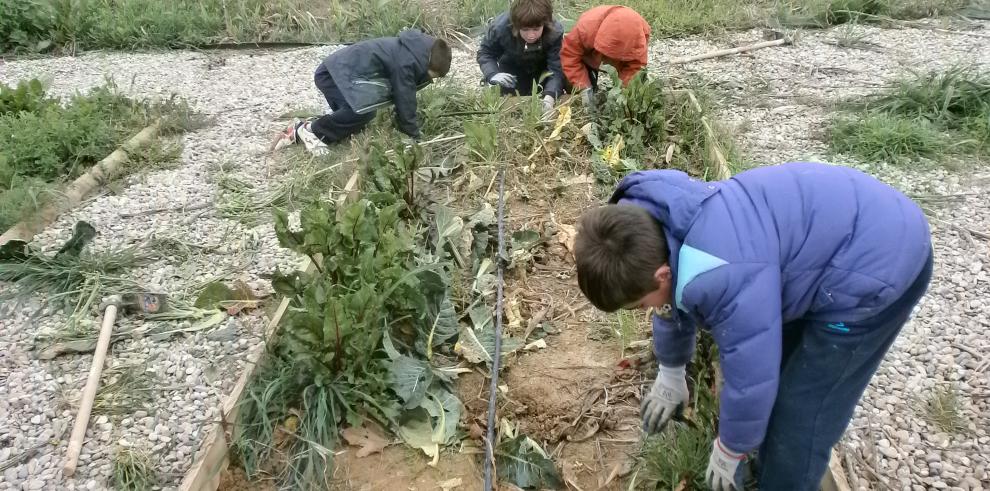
point(74, 25)
point(880, 137)
point(927, 116)
point(45, 142)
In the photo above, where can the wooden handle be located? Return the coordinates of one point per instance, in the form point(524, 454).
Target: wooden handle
point(89, 393)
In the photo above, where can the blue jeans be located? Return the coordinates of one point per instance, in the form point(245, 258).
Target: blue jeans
point(825, 368)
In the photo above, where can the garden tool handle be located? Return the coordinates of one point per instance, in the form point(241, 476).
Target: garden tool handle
point(89, 392)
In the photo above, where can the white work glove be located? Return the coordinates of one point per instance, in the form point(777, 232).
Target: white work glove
point(667, 396)
point(724, 472)
point(506, 80)
point(547, 104)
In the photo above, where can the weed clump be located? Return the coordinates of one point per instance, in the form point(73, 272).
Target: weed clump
point(44, 142)
point(923, 116)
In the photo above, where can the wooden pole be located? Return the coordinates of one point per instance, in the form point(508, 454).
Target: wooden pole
point(89, 393)
point(731, 51)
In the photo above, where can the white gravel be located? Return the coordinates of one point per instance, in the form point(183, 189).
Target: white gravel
point(777, 102)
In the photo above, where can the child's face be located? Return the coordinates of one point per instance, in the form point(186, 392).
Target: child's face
point(659, 297)
point(531, 34)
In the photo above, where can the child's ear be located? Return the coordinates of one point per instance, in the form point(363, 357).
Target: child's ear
point(662, 274)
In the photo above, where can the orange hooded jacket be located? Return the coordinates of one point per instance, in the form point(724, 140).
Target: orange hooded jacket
point(613, 34)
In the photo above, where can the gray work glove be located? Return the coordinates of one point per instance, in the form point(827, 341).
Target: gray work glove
point(668, 395)
point(588, 97)
point(724, 472)
point(506, 80)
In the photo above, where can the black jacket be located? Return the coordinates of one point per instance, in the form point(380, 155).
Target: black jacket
point(372, 73)
point(500, 51)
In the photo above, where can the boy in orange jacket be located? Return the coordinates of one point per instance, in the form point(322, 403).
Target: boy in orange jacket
point(610, 34)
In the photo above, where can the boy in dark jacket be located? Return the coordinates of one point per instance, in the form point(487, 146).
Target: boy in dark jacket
point(804, 273)
point(359, 79)
point(520, 46)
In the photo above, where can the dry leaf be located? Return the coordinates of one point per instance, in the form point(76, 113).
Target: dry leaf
point(670, 153)
point(681, 486)
point(370, 440)
point(538, 344)
point(566, 234)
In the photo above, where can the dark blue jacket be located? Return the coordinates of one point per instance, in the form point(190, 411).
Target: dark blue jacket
point(377, 71)
point(766, 247)
point(501, 51)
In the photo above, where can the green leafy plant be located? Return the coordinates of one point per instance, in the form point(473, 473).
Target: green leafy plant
point(133, 470)
point(365, 332)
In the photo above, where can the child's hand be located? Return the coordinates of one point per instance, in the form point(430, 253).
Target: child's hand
point(724, 472)
point(506, 80)
point(667, 396)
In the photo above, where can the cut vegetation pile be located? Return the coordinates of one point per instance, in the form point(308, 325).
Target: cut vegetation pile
point(934, 116)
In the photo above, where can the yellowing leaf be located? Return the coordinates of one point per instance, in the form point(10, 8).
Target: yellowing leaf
point(563, 119)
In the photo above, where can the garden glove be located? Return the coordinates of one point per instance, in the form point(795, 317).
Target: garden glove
point(506, 80)
point(724, 472)
point(668, 396)
point(588, 96)
point(547, 104)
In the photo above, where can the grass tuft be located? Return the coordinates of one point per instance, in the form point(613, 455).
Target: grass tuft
point(133, 470)
point(880, 137)
point(943, 408)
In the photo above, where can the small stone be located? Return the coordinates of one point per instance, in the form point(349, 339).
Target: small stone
point(91, 484)
point(36, 420)
point(35, 484)
point(889, 452)
point(102, 420)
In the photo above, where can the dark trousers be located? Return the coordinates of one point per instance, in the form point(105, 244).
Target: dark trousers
point(343, 122)
point(826, 367)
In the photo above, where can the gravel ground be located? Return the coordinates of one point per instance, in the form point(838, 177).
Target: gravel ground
point(776, 100)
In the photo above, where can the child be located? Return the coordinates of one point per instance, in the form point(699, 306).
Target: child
point(804, 273)
point(520, 46)
point(365, 76)
point(607, 34)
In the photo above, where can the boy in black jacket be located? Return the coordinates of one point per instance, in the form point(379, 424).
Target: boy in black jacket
point(520, 46)
point(359, 79)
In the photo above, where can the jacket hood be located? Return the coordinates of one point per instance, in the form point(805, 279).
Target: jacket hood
point(419, 46)
point(671, 196)
point(623, 35)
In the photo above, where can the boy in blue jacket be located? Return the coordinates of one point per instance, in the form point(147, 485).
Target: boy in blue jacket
point(520, 46)
point(365, 76)
point(804, 273)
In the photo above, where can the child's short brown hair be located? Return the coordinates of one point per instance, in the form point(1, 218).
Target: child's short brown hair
point(618, 249)
point(440, 57)
point(530, 13)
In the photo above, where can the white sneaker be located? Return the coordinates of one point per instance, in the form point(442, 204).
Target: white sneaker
point(313, 144)
point(286, 137)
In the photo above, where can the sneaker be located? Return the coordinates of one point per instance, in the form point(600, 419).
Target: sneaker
point(287, 136)
point(304, 134)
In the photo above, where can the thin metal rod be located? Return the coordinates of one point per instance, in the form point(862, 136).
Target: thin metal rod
point(497, 356)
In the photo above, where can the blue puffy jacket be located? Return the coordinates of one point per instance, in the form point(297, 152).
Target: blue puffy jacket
point(769, 246)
